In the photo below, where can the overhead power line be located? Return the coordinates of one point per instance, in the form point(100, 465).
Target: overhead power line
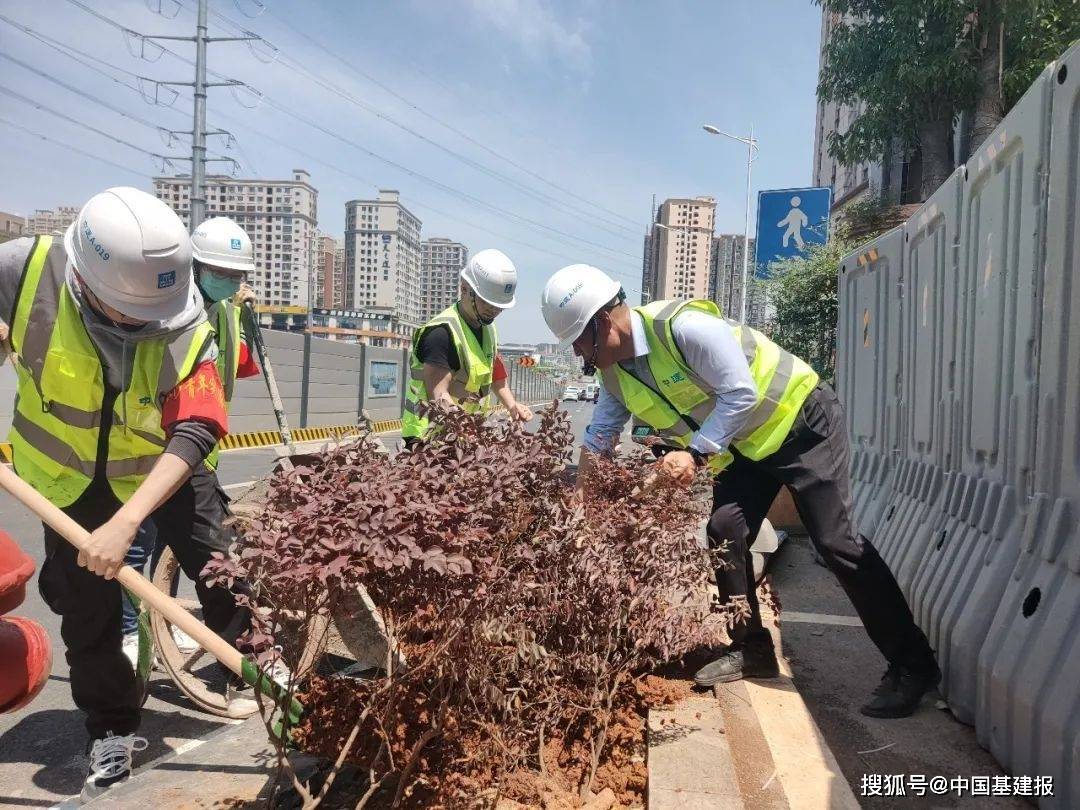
point(198, 130)
point(63, 47)
point(589, 213)
point(636, 276)
point(82, 57)
point(38, 105)
point(72, 148)
point(104, 104)
point(394, 164)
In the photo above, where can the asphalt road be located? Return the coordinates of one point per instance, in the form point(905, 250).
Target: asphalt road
point(42, 758)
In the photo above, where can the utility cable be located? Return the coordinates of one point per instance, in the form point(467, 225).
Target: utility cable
point(73, 148)
point(424, 178)
point(38, 105)
point(589, 213)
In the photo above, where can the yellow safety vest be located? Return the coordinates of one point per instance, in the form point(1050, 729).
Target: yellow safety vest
point(469, 385)
point(661, 390)
point(225, 317)
point(61, 389)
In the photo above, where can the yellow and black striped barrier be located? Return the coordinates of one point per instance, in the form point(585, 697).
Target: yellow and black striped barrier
point(269, 438)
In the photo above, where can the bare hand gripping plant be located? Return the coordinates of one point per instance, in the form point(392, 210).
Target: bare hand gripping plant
point(522, 616)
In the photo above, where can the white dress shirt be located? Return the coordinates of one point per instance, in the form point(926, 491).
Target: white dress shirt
point(712, 351)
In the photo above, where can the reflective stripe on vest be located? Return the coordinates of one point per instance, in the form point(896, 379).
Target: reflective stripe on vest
point(226, 320)
point(469, 385)
point(225, 317)
point(61, 389)
point(662, 390)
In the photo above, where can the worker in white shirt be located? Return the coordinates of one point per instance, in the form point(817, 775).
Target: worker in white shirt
point(727, 398)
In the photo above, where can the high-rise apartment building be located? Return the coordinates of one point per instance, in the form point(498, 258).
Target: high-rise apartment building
point(49, 220)
point(678, 249)
point(339, 270)
point(329, 273)
point(280, 217)
point(725, 280)
point(441, 261)
point(382, 257)
point(881, 180)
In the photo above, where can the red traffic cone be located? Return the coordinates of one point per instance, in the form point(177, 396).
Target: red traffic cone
point(16, 568)
point(25, 661)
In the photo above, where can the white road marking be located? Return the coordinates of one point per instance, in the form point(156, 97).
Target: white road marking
point(819, 618)
point(238, 486)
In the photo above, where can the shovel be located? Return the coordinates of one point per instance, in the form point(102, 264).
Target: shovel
point(230, 657)
point(254, 331)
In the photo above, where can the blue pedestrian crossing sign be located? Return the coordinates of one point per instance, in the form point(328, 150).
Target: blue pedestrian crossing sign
point(788, 221)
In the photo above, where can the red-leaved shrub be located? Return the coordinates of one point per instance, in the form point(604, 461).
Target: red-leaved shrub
point(522, 615)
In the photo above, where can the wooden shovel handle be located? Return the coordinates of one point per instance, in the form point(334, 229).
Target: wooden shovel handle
point(131, 579)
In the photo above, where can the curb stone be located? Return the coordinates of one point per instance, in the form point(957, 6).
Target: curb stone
point(751, 744)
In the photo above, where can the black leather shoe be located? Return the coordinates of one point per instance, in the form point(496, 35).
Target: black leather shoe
point(754, 658)
point(900, 691)
point(725, 669)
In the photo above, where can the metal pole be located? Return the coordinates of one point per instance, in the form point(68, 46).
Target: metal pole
point(198, 133)
point(746, 225)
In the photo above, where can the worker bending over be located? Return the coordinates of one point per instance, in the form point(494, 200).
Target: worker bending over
point(118, 405)
point(736, 402)
point(455, 356)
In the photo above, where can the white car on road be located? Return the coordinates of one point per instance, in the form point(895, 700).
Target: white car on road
point(570, 393)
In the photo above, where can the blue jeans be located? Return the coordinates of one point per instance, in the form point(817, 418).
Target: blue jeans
point(144, 548)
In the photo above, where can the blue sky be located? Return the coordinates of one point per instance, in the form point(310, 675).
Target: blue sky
point(600, 101)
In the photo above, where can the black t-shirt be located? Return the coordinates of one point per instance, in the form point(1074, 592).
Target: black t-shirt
point(437, 346)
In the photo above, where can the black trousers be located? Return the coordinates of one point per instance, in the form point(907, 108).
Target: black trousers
point(813, 463)
point(103, 683)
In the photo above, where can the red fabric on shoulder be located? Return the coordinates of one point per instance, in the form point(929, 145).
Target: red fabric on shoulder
point(200, 397)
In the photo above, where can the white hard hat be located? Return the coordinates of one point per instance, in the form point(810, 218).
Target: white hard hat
point(133, 252)
point(492, 276)
point(572, 297)
point(220, 242)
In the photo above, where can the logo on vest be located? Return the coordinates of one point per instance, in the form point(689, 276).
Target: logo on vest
point(145, 400)
point(677, 377)
point(165, 280)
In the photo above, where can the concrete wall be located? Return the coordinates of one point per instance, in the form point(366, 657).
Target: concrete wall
point(321, 382)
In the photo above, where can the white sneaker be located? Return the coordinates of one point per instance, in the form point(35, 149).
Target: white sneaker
point(240, 699)
point(130, 646)
point(279, 673)
point(110, 763)
point(184, 643)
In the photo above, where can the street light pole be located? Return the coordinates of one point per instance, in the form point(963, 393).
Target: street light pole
point(751, 147)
